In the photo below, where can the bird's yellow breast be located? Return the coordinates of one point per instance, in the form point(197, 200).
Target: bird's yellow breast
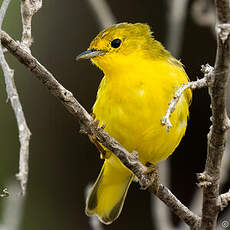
point(132, 101)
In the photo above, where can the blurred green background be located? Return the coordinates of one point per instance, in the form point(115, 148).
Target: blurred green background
point(63, 162)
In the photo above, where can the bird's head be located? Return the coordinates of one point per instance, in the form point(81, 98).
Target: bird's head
point(121, 43)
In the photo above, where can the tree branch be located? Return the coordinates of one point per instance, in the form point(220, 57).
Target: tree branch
point(205, 81)
point(12, 94)
point(89, 126)
point(220, 122)
point(3, 10)
point(216, 80)
point(28, 9)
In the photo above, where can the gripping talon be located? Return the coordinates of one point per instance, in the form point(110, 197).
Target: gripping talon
point(152, 175)
point(93, 116)
point(103, 153)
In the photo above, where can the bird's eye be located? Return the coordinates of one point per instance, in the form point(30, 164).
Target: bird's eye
point(116, 43)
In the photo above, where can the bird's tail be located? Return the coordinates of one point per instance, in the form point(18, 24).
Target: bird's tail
point(107, 196)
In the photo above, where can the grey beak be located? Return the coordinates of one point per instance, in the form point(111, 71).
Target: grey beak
point(90, 54)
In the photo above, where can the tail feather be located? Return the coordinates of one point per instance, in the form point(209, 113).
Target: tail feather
point(107, 196)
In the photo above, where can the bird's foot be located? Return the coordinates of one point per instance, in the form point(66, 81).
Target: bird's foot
point(97, 122)
point(103, 153)
point(152, 175)
point(93, 116)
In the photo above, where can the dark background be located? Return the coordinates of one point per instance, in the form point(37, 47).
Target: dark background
point(63, 162)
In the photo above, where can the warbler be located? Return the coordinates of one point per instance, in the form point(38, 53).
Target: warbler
point(140, 79)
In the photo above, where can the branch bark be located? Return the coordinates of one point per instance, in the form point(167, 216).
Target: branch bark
point(220, 122)
point(89, 126)
point(12, 94)
point(28, 9)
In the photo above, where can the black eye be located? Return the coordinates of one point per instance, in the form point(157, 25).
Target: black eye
point(116, 43)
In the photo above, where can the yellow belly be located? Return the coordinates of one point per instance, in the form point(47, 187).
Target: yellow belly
point(132, 104)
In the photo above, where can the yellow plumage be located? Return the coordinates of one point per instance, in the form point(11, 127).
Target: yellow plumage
point(140, 79)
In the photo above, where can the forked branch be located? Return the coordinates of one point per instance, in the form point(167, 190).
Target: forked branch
point(220, 121)
point(216, 81)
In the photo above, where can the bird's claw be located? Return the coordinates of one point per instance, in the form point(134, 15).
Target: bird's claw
point(97, 122)
point(103, 153)
point(152, 177)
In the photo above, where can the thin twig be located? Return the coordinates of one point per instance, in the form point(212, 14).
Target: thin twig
point(24, 132)
point(88, 125)
point(3, 10)
point(28, 9)
point(102, 12)
point(204, 82)
point(220, 122)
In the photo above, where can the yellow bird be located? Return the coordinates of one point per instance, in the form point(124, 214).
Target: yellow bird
point(140, 79)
